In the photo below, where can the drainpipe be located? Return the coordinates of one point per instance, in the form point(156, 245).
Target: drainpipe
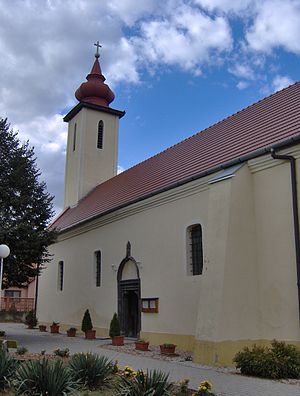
point(295, 212)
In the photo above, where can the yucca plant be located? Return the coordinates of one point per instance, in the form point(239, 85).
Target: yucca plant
point(90, 370)
point(151, 383)
point(42, 377)
point(7, 368)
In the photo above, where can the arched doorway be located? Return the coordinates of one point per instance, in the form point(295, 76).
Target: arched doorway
point(129, 296)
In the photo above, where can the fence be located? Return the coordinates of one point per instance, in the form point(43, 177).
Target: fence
point(17, 304)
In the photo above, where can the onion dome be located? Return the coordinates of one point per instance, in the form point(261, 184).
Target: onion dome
point(94, 90)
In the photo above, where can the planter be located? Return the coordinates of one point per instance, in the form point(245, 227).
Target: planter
point(71, 333)
point(167, 349)
point(117, 340)
point(90, 334)
point(141, 346)
point(54, 329)
point(43, 328)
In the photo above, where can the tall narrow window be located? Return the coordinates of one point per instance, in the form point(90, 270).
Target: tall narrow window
point(60, 275)
point(100, 135)
point(74, 137)
point(98, 267)
point(195, 250)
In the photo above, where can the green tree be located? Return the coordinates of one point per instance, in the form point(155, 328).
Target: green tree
point(25, 210)
point(114, 328)
point(86, 322)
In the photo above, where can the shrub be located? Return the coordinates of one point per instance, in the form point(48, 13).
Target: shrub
point(91, 370)
point(31, 319)
point(86, 322)
point(62, 352)
point(154, 383)
point(21, 351)
point(114, 328)
point(183, 388)
point(278, 361)
point(2, 333)
point(7, 369)
point(41, 377)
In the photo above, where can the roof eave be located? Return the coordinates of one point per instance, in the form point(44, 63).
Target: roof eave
point(72, 113)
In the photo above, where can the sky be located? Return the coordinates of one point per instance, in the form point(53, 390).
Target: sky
point(175, 66)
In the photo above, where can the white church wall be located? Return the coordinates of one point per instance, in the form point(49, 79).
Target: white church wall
point(158, 239)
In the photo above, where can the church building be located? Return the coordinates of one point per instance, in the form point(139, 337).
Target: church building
point(196, 246)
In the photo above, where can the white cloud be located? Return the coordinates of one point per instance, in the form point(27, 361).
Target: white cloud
point(234, 6)
point(280, 82)
point(242, 85)
point(188, 38)
point(243, 71)
point(276, 25)
point(130, 11)
point(48, 136)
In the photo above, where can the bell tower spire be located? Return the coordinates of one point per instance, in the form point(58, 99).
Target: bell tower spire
point(92, 136)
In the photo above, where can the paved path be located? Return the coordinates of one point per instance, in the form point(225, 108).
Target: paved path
point(224, 384)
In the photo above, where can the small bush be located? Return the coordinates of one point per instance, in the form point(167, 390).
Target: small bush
point(278, 361)
point(86, 322)
point(21, 351)
point(114, 328)
point(90, 370)
point(7, 369)
point(62, 352)
point(41, 377)
point(31, 319)
point(143, 384)
point(2, 333)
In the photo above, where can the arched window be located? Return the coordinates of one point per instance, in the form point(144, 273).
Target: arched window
point(74, 137)
point(195, 249)
point(60, 283)
point(98, 268)
point(100, 135)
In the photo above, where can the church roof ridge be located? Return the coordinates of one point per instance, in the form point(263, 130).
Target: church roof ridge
point(271, 121)
point(210, 126)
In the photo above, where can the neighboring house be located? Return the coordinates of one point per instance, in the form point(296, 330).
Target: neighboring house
point(195, 245)
point(19, 299)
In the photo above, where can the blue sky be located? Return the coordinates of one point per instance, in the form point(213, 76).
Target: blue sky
point(176, 67)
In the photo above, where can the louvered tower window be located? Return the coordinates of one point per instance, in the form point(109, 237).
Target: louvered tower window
point(100, 135)
point(74, 137)
point(195, 249)
point(60, 275)
point(98, 268)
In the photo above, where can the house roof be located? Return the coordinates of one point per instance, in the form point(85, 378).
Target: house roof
point(273, 121)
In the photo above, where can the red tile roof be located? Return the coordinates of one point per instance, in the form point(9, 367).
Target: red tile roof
point(263, 124)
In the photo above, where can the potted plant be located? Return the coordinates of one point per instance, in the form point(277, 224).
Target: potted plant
point(43, 328)
point(141, 345)
point(71, 332)
point(87, 326)
point(31, 319)
point(115, 331)
point(54, 328)
point(167, 349)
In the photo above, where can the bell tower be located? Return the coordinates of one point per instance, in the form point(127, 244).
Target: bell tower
point(92, 148)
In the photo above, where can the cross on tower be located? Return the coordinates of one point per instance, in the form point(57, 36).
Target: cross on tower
point(97, 55)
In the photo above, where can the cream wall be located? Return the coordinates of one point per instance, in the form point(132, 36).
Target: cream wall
point(247, 292)
point(158, 238)
point(88, 166)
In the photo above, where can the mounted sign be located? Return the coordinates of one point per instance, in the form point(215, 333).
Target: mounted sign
point(150, 305)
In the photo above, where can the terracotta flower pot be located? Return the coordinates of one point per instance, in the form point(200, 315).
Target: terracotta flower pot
point(141, 346)
point(167, 349)
point(117, 340)
point(54, 329)
point(90, 334)
point(43, 328)
point(71, 333)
